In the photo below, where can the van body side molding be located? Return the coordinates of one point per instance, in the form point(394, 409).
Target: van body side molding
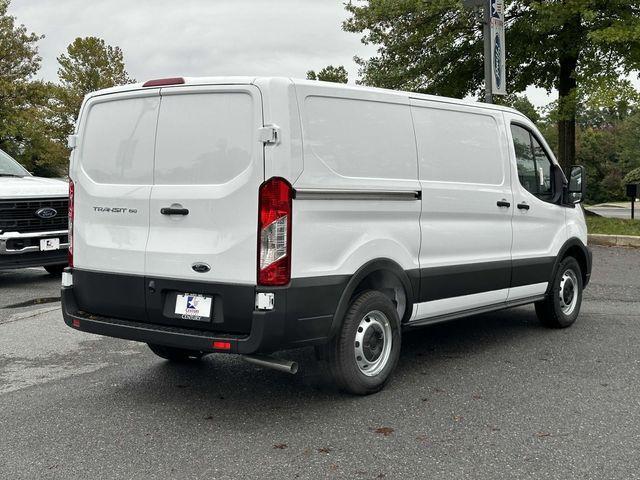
point(355, 194)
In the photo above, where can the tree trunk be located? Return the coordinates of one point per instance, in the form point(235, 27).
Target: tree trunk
point(567, 101)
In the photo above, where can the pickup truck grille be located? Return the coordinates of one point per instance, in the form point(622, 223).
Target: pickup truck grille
point(20, 215)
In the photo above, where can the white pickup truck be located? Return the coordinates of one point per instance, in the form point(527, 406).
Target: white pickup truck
point(33, 219)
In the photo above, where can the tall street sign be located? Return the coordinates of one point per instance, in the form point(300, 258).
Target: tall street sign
point(496, 27)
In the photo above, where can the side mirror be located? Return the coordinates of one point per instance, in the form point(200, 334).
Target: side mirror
point(577, 184)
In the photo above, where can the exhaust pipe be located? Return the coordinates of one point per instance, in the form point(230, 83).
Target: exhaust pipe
point(286, 366)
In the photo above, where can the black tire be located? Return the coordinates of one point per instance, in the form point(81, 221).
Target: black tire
point(55, 270)
point(339, 356)
point(550, 311)
point(176, 354)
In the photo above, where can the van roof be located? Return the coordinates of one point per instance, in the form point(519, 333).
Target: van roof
point(246, 80)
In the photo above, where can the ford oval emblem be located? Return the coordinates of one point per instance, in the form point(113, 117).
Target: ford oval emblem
point(200, 267)
point(46, 212)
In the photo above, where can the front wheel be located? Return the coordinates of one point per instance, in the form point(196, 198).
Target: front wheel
point(562, 306)
point(175, 354)
point(362, 356)
point(55, 270)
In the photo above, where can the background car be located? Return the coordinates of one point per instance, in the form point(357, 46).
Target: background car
point(34, 219)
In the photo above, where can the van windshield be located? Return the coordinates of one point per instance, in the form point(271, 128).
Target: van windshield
point(10, 168)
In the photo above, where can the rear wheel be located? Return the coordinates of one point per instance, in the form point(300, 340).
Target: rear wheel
point(562, 306)
point(55, 270)
point(362, 356)
point(176, 354)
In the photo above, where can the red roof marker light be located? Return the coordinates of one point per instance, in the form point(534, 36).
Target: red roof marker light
point(160, 82)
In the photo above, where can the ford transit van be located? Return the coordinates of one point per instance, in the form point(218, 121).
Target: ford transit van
point(253, 215)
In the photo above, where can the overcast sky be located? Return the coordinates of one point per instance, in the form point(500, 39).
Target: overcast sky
point(162, 38)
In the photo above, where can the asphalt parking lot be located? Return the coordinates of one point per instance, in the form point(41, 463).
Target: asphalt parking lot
point(492, 396)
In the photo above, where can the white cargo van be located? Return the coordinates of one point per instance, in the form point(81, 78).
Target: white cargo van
point(250, 215)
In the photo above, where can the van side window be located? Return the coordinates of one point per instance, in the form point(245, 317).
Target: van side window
point(361, 139)
point(457, 147)
point(534, 165)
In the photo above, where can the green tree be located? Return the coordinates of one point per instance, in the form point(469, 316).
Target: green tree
point(19, 62)
point(330, 74)
point(25, 130)
point(435, 46)
point(522, 104)
point(89, 64)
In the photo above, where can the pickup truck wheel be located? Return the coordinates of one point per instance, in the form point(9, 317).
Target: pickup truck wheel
point(55, 270)
point(562, 306)
point(175, 354)
point(362, 356)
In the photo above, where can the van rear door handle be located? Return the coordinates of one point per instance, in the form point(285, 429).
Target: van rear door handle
point(523, 206)
point(503, 203)
point(174, 211)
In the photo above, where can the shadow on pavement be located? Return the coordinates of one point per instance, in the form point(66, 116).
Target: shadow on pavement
point(221, 385)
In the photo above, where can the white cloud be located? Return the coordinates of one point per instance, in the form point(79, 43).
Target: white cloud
point(195, 37)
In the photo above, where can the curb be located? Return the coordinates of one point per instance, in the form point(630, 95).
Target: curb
point(614, 240)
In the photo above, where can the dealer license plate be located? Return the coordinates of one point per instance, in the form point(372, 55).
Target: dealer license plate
point(193, 307)
point(47, 244)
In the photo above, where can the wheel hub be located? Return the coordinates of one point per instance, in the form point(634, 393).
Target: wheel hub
point(568, 292)
point(373, 343)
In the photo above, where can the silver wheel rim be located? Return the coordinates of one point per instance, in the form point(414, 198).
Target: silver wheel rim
point(568, 292)
point(373, 343)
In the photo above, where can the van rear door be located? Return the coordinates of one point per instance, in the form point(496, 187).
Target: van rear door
point(113, 173)
point(204, 200)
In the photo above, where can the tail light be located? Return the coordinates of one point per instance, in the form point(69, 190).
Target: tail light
point(71, 198)
point(274, 232)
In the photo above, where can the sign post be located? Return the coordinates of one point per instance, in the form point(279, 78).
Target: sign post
point(497, 48)
point(494, 47)
point(486, 36)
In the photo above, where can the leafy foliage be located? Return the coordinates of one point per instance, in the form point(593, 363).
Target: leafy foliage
point(88, 65)
point(574, 46)
point(633, 176)
point(330, 74)
point(36, 116)
point(22, 101)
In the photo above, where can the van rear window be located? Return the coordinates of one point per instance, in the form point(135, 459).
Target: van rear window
point(117, 141)
point(204, 138)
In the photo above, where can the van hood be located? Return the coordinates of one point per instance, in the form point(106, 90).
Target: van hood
point(32, 187)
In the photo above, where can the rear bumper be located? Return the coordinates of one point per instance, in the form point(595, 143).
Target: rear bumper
point(302, 316)
point(266, 332)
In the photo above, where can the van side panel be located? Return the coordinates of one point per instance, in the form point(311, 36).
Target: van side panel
point(280, 108)
point(465, 256)
point(359, 149)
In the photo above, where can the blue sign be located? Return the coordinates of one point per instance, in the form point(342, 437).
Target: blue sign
point(494, 9)
point(497, 59)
